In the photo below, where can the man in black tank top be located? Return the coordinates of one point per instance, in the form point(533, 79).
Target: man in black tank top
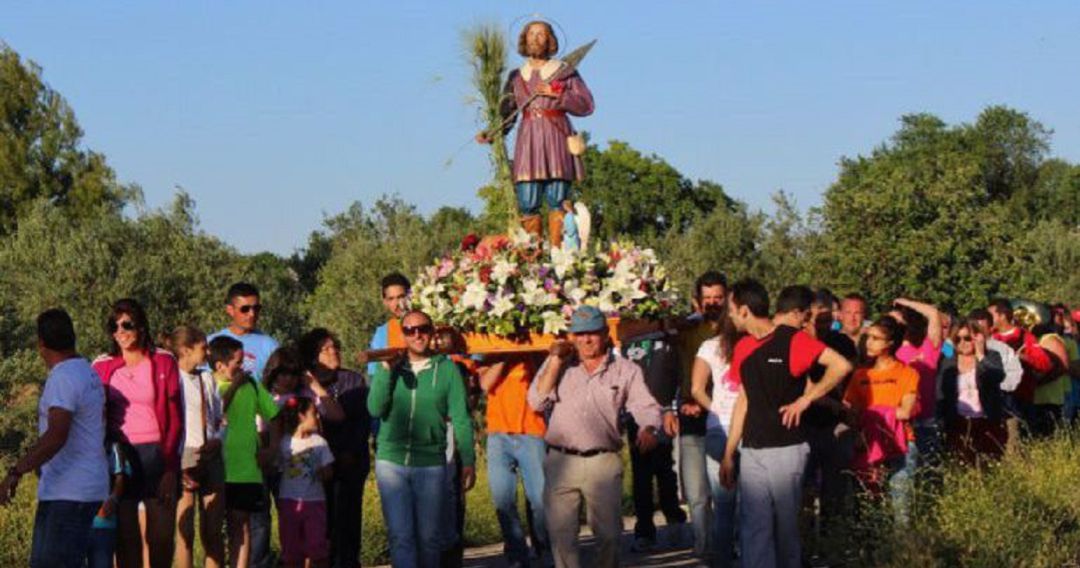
point(770, 363)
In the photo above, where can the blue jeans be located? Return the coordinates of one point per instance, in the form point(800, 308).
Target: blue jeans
point(412, 506)
point(920, 462)
point(508, 455)
point(62, 533)
point(260, 534)
point(695, 488)
point(722, 523)
point(528, 194)
point(102, 547)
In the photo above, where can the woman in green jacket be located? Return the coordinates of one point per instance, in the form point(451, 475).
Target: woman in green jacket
point(414, 398)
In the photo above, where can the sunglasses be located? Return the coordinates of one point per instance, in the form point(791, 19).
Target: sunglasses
point(126, 325)
point(250, 308)
point(963, 338)
point(426, 329)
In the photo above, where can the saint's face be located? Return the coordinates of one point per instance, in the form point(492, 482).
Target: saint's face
point(537, 40)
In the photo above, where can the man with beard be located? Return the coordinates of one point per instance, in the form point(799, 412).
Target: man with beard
point(690, 425)
point(543, 163)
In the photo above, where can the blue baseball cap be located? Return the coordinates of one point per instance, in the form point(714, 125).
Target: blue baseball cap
point(587, 319)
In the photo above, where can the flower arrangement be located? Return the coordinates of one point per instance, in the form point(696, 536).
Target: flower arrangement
point(510, 285)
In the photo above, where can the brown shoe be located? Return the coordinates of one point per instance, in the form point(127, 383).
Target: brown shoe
point(555, 224)
point(533, 225)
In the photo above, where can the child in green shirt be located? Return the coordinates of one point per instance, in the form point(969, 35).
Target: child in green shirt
point(244, 399)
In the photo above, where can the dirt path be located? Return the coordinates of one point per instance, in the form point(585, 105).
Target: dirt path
point(674, 548)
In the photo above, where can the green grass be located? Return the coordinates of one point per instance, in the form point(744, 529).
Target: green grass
point(1022, 512)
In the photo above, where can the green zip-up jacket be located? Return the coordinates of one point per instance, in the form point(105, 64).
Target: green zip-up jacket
point(413, 410)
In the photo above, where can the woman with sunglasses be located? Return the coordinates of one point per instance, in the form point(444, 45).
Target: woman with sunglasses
point(882, 395)
point(143, 410)
point(971, 399)
point(414, 398)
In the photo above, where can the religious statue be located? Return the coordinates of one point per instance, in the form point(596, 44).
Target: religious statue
point(547, 151)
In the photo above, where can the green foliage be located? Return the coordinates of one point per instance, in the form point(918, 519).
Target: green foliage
point(925, 215)
point(21, 374)
point(642, 197)
point(724, 239)
point(367, 245)
point(1021, 512)
point(159, 258)
point(40, 153)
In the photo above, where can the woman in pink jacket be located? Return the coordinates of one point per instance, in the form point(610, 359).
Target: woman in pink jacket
point(143, 412)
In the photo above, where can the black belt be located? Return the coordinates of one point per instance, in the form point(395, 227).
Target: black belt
point(580, 453)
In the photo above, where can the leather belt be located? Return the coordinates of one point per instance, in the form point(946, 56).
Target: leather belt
point(544, 112)
point(580, 453)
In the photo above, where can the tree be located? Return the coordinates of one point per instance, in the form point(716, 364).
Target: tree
point(641, 196)
point(367, 245)
point(40, 150)
point(925, 215)
point(725, 239)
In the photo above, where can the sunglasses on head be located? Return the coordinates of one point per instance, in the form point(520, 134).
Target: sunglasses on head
point(250, 308)
point(126, 325)
point(411, 330)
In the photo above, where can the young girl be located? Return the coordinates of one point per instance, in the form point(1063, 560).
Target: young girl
point(202, 469)
point(882, 394)
point(305, 465)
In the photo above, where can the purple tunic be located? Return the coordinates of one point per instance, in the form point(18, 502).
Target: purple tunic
point(540, 151)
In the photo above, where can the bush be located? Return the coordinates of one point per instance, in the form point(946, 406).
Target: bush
point(1022, 511)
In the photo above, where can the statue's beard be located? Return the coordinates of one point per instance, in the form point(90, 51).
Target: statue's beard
point(538, 50)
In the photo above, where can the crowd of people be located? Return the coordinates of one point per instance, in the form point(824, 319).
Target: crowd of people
point(746, 411)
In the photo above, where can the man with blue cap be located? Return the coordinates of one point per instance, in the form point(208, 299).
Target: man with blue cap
point(584, 387)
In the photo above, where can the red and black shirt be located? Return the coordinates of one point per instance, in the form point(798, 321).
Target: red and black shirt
point(772, 370)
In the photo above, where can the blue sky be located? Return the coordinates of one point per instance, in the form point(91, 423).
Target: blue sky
point(272, 115)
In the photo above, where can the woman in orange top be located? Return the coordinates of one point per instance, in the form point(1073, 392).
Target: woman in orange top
point(882, 395)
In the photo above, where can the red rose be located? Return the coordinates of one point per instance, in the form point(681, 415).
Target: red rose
point(469, 242)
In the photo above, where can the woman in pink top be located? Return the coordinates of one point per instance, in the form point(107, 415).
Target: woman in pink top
point(143, 411)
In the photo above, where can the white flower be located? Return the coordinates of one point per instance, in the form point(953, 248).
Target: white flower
point(577, 295)
point(554, 322)
point(502, 271)
point(562, 261)
point(519, 238)
point(606, 301)
point(502, 305)
point(474, 297)
point(533, 295)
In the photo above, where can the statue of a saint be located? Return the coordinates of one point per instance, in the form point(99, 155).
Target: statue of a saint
point(547, 152)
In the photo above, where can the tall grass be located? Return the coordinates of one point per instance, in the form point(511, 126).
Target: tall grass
point(1021, 512)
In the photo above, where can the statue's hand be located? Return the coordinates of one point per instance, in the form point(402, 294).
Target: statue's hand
point(546, 90)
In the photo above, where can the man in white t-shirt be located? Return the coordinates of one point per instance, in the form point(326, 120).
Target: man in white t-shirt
point(70, 451)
